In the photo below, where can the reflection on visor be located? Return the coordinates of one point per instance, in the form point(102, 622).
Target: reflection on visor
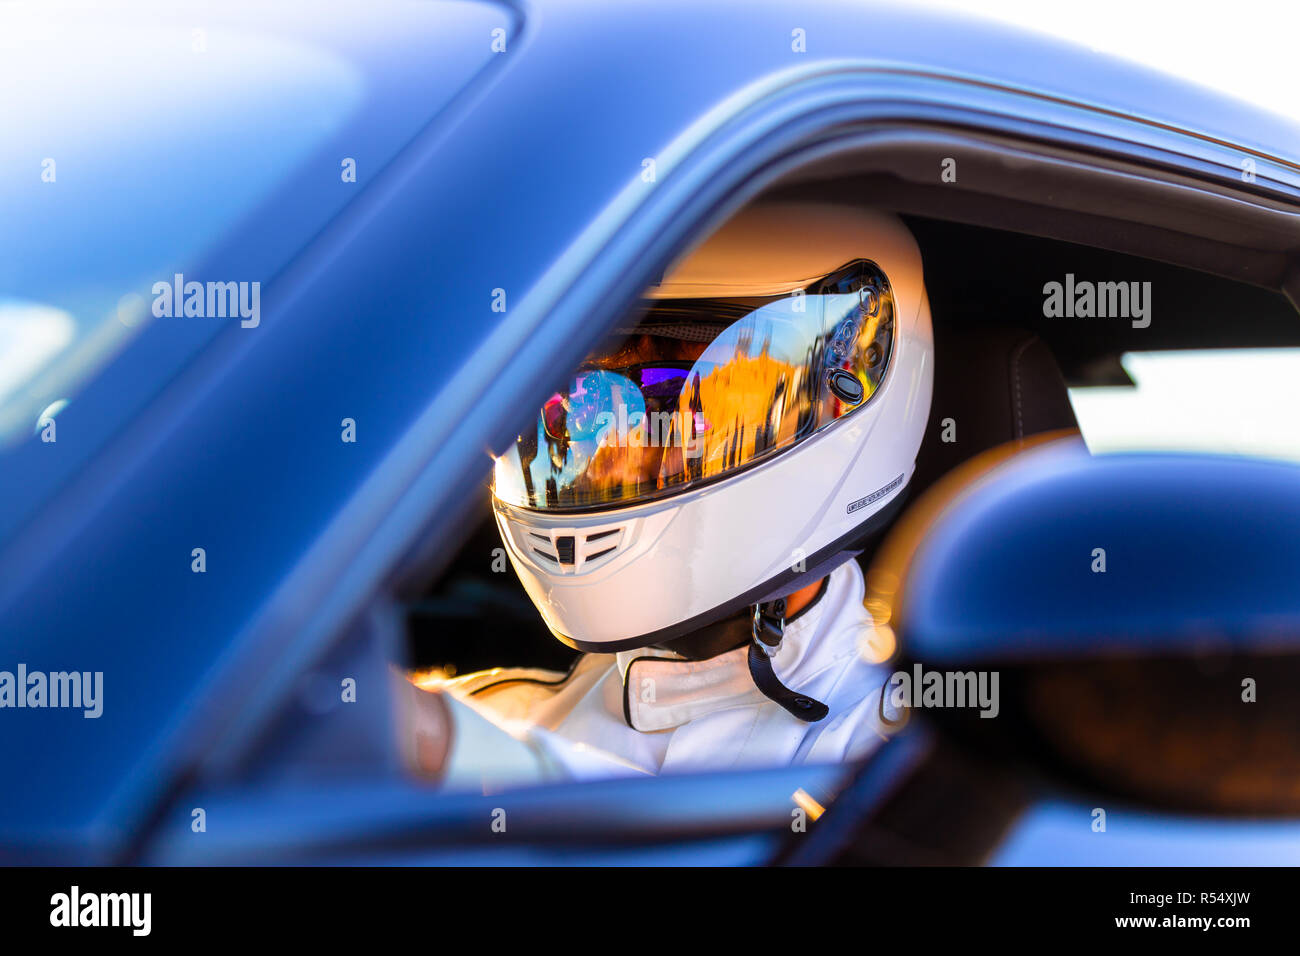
point(660, 411)
point(594, 393)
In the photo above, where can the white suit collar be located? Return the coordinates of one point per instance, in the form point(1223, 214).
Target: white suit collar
point(662, 691)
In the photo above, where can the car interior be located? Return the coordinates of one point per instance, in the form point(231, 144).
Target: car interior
point(1015, 219)
point(1003, 372)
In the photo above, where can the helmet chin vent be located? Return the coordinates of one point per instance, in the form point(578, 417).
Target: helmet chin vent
point(569, 550)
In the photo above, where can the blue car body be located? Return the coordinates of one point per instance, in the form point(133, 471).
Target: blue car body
point(500, 154)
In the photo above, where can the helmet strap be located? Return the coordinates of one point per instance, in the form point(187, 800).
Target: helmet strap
point(768, 632)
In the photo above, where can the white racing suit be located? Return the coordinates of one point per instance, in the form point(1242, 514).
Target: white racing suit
point(652, 711)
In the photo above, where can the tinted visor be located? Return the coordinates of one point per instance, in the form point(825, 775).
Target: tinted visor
point(699, 389)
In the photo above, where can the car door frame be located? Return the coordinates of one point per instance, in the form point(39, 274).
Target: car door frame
point(722, 161)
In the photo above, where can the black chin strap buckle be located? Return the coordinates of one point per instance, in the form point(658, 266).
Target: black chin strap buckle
point(769, 626)
point(769, 631)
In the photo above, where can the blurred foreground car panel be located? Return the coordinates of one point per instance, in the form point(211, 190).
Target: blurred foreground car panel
point(1059, 833)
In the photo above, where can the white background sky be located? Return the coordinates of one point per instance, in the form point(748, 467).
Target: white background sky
point(1240, 401)
point(1246, 49)
point(1245, 401)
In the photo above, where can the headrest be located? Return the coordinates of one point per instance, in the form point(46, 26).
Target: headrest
point(992, 385)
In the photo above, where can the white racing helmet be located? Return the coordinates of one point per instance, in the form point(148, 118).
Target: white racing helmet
point(732, 442)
